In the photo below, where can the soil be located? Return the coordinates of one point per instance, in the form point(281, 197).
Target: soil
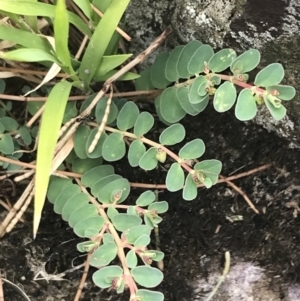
point(194, 235)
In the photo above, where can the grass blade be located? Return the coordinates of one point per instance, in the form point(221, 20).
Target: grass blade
point(48, 135)
point(100, 40)
point(28, 8)
point(24, 38)
point(61, 34)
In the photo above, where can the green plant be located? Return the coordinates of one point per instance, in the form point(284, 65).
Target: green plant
point(84, 189)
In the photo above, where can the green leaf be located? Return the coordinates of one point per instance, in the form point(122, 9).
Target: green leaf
point(210, 168)
point(101, 108)
point(48, 135)
point(89, 226)
point(85, 6)
point(194, 95)
point(123, 221)
point(200, 106)
point(113, 147)
point(110, 62)
point(96, 174)
point(170, 107)
point(25, 134)
point(145, 295)
point(245, 62)
point(285, 92)
point(86, 246)
point(192, 150)
point(104, 195)
point(270, 75)
point(147, 276)
point(83, 165)
point(277, 113)
point(97, 152)
point(157, 104)
point(149, 161)
point(182, 95)
point(146, 198)
point(80, 140)
point(189, 192)
point(142, 241)
point(107, 238)
point(6, 144)
point(103, 32)
point(28, 55)
point(128, 116)
point(144, 81)
point(225, 97)
point(104, 255)
point(155, 255)
point(81, 213)
point(101, 183)
point(105, 276)
point(185, 57)
point(246, 107)
point(143, 124)
point(29, 8)
point(76, 202)
point(67, 193)
point(9, 123)
point(157, 75)
point(136, 151)
point(175, 177)
point(132, 234)
point(159, 207)
point(171, 72)
point(131, 259)
point(172, 135)
point(61, 34)
point(199, 59)
point(24, 38)
point(221, 60)
point(111, 212)
point(128, 76)
point(57, 185)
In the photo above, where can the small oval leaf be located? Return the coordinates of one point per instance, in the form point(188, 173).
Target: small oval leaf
point(172, 135)
point(113, 148)
point(225, 97)
point(147, 276)
point(104, 255)
point(149, 161)
point(192, 150)
point(270, 75)
point(158, 77)
point(246, 107)
point(128, 116)
point(123, 221)
point(175, 177)
point(143, 124)
point(221, 60)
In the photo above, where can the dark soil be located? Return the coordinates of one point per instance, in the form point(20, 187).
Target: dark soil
point(188, 235)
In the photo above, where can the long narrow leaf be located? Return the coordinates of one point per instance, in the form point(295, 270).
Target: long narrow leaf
point(28, 55)
point(61, 34)
point(100, 40)
point(32, 21)
point(24, 38)
point(28, 8)
point(85, 6)
point(48, 135)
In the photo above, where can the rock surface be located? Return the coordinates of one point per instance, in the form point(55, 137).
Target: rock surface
point(270, 26)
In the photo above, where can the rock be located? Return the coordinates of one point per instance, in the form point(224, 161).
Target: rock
point(269, 26)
